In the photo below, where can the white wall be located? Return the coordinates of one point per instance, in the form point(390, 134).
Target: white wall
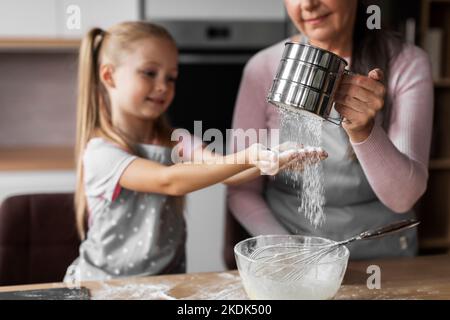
point(205, 213)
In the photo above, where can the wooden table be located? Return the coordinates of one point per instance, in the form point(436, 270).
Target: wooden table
point(425, 277)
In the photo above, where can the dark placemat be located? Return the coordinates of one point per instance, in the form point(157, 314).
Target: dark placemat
point(47, 294)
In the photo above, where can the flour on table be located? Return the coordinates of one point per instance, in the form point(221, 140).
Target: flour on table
point(226, 287)
point(133, 291)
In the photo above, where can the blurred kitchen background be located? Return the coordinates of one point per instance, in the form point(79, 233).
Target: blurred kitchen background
point(38, 64)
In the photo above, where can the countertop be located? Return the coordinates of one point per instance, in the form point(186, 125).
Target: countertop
point(36, 158)
point(424, 277)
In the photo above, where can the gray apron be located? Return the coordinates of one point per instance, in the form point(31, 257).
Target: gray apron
point(138, 234)
point(351, 206)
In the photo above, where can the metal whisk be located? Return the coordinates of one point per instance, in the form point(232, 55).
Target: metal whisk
point(309, 255)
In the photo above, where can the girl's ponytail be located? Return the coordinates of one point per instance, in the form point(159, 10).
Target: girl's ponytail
point(88, 106)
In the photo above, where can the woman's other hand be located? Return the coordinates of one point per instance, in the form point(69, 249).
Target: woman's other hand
point(358, 100)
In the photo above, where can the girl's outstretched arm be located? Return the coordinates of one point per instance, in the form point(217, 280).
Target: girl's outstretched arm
point(289, 154)
point(149, 176)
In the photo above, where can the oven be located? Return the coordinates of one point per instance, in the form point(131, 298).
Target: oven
point(211, 61)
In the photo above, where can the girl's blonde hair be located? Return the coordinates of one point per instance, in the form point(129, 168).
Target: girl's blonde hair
point(94, 112)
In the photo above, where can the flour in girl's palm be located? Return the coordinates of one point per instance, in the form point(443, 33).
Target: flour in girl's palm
point(305, 130)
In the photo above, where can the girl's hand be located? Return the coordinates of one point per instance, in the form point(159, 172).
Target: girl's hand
point(358, 100)
point(263, 158)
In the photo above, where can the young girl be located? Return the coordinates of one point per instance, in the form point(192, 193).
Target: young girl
point(128, 189)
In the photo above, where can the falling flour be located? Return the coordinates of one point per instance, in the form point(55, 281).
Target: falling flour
point(307, 176)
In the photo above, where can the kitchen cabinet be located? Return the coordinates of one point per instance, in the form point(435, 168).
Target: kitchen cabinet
point(98, 13)
point(434, 207)
point(205, 219)
point(212, 10)
point(48, 24)
point(36, 170)
point(28, 18)
point(36, 181)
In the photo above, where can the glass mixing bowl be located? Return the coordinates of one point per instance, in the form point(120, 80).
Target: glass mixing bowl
point(270, 268)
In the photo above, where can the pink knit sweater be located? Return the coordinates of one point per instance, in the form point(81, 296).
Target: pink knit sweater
point(395, 161)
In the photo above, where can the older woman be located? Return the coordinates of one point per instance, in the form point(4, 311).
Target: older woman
point(388, 108)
